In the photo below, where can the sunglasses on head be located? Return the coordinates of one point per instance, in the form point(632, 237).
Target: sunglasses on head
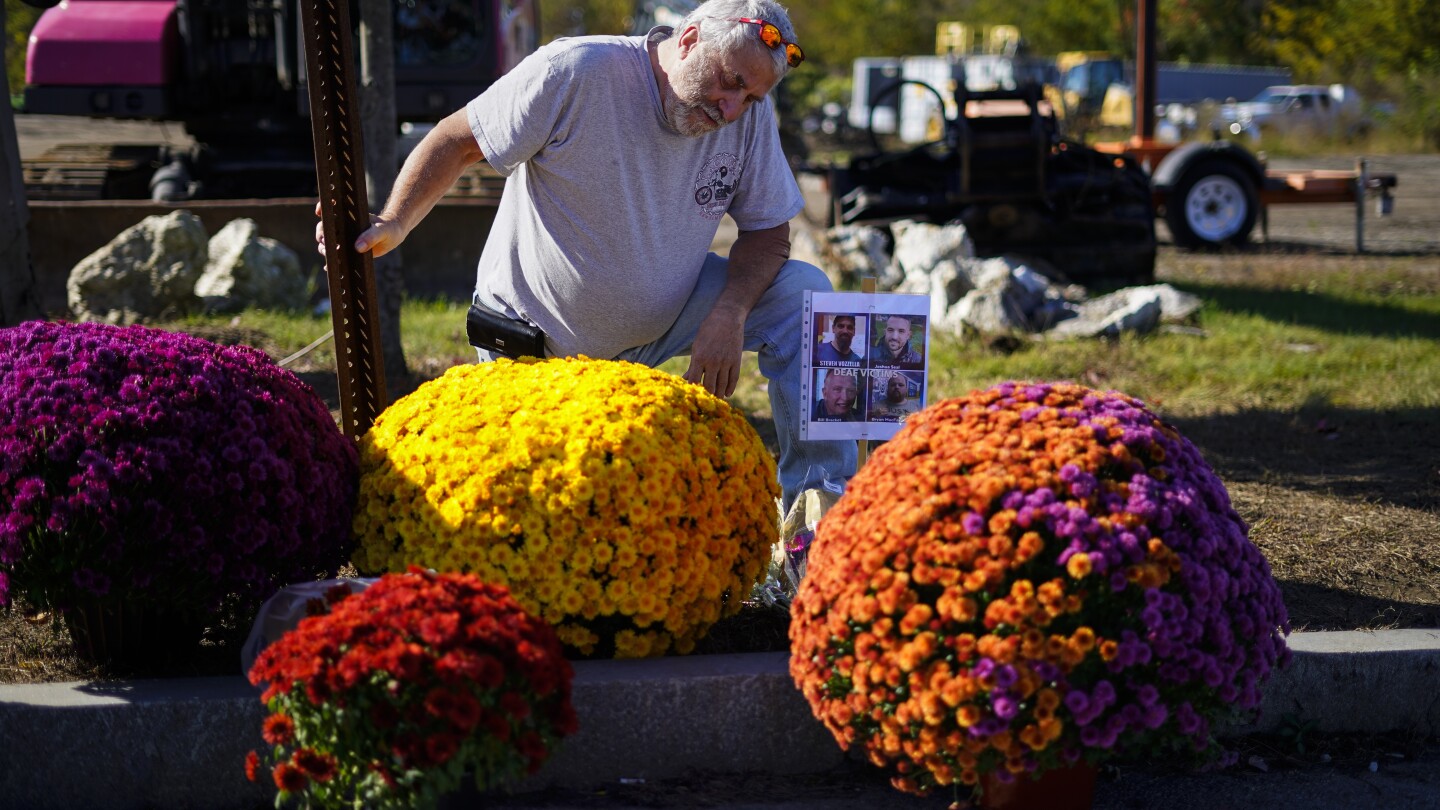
point(771, 36)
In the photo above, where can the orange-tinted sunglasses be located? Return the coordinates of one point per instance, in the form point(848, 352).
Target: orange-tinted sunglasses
point(770, 35)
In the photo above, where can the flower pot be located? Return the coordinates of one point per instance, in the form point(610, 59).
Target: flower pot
point(128, 635)
point(1070, 788)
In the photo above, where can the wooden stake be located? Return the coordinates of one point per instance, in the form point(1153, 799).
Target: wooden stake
point(867, 285)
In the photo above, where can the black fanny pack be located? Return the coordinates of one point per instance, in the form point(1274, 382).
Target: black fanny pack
point(496, 333)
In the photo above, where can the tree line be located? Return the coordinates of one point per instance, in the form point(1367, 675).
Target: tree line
point(1388, 49)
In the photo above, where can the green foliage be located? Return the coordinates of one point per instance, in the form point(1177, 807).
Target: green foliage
point(1354, 41)
point(1214, 31)
point(568, 18)
point(1420, 111)
point(19, 19)
point(1052, 26)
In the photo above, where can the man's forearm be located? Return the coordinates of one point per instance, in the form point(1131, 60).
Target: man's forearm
point(430, 170)
point(755, 260)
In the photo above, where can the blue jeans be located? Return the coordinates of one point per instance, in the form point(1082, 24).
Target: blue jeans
point(773, 330)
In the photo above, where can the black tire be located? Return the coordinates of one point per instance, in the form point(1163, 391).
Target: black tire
point(1213, 205)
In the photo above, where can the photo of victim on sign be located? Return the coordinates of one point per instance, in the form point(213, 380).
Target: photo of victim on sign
point(866, 359)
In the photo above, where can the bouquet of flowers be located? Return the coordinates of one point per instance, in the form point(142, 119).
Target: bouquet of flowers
point(625, 506)
point(1030, 576)
point(401, 692)
point(145, 466)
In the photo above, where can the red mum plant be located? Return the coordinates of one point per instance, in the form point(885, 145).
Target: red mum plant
point(402, 690)
point(1028, 577)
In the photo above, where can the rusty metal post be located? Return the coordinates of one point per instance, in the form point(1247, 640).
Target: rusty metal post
point(339, 168)
point(1145, 70)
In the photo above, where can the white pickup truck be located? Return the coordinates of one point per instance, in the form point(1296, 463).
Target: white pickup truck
point(1334, 110)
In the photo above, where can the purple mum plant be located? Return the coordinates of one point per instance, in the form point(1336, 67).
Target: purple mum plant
point(155, 467)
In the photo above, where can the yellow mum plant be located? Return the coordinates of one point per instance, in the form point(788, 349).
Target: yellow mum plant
point(625, 506)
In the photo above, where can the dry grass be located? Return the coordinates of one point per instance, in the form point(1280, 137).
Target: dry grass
point(1344, 507)
point(36, 649)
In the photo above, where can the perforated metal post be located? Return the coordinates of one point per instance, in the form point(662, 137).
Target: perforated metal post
point(340, 170)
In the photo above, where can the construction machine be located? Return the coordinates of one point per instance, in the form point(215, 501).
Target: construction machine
point(232, 72)
point(997, 162)
point(1096, 89)
point(1020, 184)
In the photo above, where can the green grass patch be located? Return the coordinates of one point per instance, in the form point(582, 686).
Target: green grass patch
point(435, 329)
point(1260, 348)
point(1378, 140)
point(1320, 343)
point(431, 331)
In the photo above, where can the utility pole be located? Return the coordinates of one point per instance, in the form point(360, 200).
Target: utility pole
point(378, 125)
point(1144, 103)
point(19, 293)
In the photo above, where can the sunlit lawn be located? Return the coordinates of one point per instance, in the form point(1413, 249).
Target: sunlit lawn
point(1291, 340)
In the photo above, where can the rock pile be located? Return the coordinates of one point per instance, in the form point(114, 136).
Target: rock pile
point(167, 265)
point(987, 297)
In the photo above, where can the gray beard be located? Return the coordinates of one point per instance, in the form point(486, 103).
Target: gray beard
point(678, 116)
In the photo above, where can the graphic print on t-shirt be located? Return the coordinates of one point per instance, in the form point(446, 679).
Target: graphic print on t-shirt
point(715, 184)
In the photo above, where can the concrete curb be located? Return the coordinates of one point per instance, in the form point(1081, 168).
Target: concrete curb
point(1361, 682)
point(180, 743)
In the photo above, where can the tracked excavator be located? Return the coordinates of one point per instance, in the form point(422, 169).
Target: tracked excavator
point(232, 73)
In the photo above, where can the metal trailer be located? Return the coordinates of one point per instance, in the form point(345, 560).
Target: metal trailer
point(1212, 193)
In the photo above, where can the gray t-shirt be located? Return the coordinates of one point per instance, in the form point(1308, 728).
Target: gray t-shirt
point(607, 214)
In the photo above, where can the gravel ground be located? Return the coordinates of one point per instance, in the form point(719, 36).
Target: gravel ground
point(1412, 229)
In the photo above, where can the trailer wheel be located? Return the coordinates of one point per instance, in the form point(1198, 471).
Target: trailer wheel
point(1214, 204)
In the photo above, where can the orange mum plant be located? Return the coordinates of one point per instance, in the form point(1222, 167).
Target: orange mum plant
point(1027, 577)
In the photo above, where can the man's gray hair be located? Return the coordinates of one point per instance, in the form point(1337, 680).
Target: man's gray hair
point(714, 19)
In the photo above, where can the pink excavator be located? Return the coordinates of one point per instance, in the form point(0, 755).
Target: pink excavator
point(232, 73)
